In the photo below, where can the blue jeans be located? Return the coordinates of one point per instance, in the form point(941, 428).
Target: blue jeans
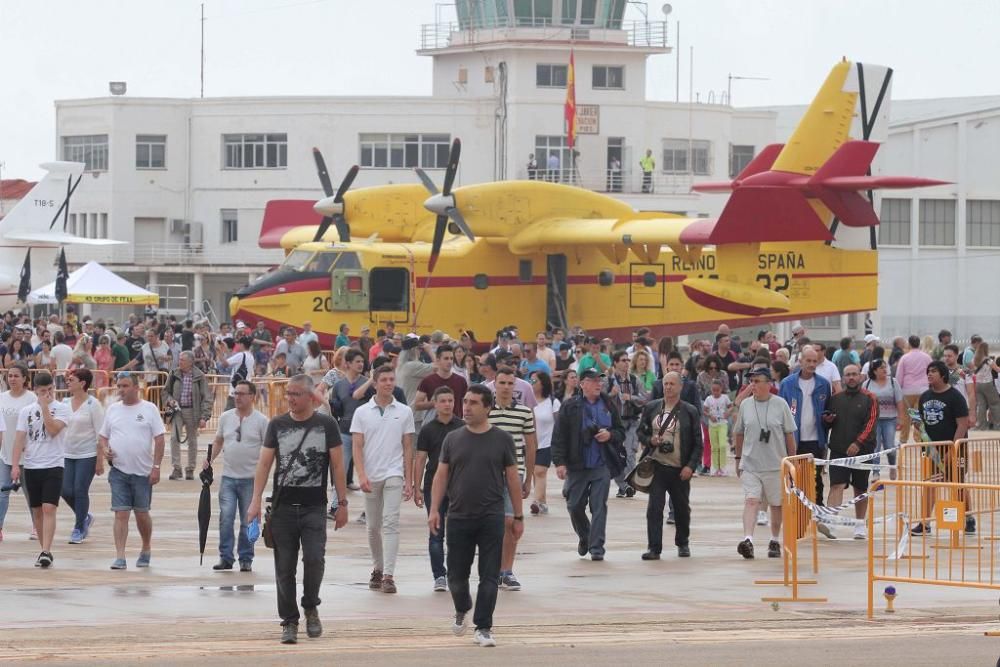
point(234, 491)
point(885, 434)
point(4, 495)
point(77, 476)
point(345, 440)
point(435, 543)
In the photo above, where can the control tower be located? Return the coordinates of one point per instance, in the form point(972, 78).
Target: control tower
point(514, 55)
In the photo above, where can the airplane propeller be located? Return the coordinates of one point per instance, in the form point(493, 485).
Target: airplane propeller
point(332, 207)
point(443, 204)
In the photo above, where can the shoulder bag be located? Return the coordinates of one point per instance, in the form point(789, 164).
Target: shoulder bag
point(265, 529)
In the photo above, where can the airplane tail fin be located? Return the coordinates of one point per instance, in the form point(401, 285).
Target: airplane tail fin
point(283, 215)
point(830, 120)
point(43, 207)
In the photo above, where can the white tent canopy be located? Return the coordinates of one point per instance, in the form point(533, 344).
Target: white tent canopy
point(92, 283)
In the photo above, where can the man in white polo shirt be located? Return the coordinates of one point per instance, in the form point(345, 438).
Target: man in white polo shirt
point(382, 436)
point(131, 439)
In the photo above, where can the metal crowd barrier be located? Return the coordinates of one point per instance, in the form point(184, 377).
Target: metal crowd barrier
point(943, 554)
point(796, 525)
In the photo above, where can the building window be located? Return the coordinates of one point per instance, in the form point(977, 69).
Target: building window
point(533, 12)
point(151, 151)
point(894, 223)
point(937, 222)
point(103, 231)
point(91, 150)
point(739, 158)
point(677, 159)
point(230, 225)
point(982, 223)
point(608, 77)
point(557, 168)
point(550, 76)
point(405, 151)
point(255, 151)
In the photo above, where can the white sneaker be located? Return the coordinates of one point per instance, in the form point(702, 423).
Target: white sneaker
point(860, 533)
point(441, 585)
point(460, 625)
point(484, 638)
point(761, 518)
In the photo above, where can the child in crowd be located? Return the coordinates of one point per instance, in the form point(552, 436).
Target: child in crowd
point(717, 407)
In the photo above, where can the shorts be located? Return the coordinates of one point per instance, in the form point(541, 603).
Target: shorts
point(129, 492)
point(43, 486)
point(543, 457)
point(508, 506)
point(858, 479)
point(764, 486)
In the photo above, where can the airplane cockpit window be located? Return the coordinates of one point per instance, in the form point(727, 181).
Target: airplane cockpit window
point(322, 262)
point(297, 260)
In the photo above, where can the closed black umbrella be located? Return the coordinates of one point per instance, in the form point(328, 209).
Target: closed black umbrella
point(24, 288)
point(207, 476)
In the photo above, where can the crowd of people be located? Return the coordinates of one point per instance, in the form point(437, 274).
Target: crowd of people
point(467, 430)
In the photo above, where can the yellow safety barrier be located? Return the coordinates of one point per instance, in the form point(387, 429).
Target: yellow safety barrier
point(796, 525)
point(942, 554)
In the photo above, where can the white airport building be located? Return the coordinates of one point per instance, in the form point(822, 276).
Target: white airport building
point(185, 181)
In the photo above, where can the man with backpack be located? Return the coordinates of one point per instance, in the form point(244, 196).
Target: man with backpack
point(239, 361)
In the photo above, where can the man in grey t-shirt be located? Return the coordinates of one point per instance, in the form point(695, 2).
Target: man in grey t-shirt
point(240, 434)
point(476, 463)
point(764, 435)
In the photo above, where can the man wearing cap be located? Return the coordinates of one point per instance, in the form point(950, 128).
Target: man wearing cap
point(764, 435)
point(307, 334)
point(586, 438)
point(670, 429)
point(365, 342)
point(871, 342)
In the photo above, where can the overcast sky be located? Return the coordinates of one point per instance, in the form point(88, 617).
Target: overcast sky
point(57, 49)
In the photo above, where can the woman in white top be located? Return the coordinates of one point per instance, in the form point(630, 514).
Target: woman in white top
point(459, 366)
point(545, 419)
point(11, 403)
point(81, 462)
point(315, 363)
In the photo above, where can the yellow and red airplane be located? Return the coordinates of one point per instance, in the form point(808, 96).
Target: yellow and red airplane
point(786, 246)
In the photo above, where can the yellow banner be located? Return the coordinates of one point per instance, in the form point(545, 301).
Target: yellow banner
point(114, 300)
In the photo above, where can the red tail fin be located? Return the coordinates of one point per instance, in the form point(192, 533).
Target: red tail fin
point(282, 215)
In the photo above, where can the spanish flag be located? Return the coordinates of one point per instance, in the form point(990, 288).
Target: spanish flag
point(569, 109)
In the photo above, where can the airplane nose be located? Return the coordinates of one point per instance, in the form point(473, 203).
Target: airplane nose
point(234, 306)
point(327, 206)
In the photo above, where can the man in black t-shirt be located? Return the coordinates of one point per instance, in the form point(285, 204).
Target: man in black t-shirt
point(477, 462)
point(306, 445)
point(945, 415)
point(429, 442)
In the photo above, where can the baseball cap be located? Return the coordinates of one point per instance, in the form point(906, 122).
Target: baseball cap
point(871, 338)
point(763, 370)
point(798, 328)
point(591, 374)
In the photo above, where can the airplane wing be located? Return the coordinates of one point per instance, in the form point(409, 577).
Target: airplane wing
point(643, 235)
point(57, 238)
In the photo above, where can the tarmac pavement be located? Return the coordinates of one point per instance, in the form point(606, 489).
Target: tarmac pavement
point(703, 610)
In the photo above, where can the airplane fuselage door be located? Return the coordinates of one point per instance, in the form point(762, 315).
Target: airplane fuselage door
point(646, 286)
point(389, 295)
point(349, 289)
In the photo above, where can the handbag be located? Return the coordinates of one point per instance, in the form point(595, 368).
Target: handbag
point(265, 529)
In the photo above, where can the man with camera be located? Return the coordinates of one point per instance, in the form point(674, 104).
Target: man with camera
point(764, 435)
point(588, 450)
point(670, 430)
point(189, 407)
